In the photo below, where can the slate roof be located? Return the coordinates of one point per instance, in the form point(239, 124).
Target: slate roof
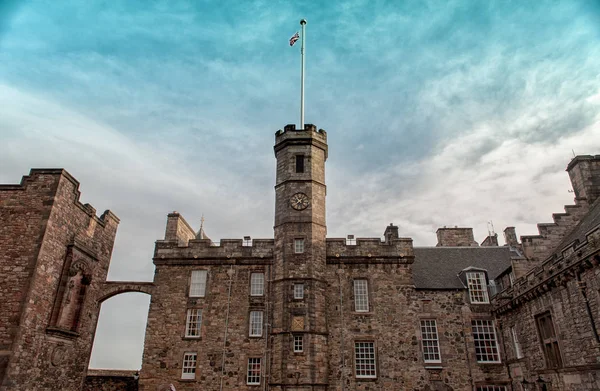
point(587, 223)
point(438, 267)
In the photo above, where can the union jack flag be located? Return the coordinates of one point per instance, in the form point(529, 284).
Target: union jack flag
point(294, 38)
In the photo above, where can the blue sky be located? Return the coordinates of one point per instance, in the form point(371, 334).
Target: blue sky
point(438, 113)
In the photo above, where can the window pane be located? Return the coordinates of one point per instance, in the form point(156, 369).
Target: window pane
point(477, 288)
point(256, 323)
point(429, 336)
point(361, 296)
point(299, 163)
point(257, 284)
point(189, 366)
point(253, 371)
point(193, 322)
point(484, 336)
point(198, 283)
point(298, 291)
point(298, 246)
point(364, 359)
point(298, 343)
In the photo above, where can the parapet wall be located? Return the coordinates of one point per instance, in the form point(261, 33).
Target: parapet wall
point(370, 250)
point(204, 251)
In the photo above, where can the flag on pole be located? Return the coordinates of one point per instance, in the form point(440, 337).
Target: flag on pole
point(294, 38)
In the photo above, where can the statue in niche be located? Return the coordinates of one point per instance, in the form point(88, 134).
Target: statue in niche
point(74, 295)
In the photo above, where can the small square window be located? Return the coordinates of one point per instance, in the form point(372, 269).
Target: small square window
point(189, 365)
point(257, 284)
point(298, 343)
point(299, 246)
point(256, 323)
point(298, 291)
point(254, 370)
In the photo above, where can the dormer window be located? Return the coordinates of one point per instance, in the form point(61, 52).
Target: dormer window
point(478, 293)
point(299, 163)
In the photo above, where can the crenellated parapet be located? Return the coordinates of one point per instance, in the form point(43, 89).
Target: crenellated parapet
point(370, 250)
point(206, 252)
point(563, 266)
point(291, 136)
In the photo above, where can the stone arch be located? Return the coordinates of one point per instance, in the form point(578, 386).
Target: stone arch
point(113, 288)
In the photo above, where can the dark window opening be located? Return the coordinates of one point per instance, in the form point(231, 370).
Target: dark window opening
point(299, 163)
point(549, 341)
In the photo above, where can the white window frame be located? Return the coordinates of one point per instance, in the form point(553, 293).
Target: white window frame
point(430, 343)
point(298, 246)
point(365, 360)
point(361, 295)
point(478, 293)
point(193, 323)
point(298, 291)
point(257, 284)
point(256, 324)
point(188, 367)
point(254, 367)
point(516, 343)
point(298, 343)
point(198, 283)
point(487, 350)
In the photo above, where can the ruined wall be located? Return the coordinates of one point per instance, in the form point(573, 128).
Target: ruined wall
point(24, 211)
point(52, 346)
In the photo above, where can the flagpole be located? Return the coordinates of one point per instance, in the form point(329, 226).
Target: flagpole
point(302, 50)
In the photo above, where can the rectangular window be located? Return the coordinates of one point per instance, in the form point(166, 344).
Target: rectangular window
point(298, 291)
point(511, 277)
point(298, 246)
point(486, 346)
point(253, 371)
point(549, 341)
point(256, 323)
point(364, 359)
point(477, 288)
point(198, 283)
point(431, 345)
point(193, 323)
point(298, 343)
point(299, 163)
point(491, 388)
point(516, 344)
point(188, 370)
point(361, 295)
point(257, 284)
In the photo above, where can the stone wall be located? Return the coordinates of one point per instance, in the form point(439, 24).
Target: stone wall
point(52, 346)
point(110, 380)
point(451, 237)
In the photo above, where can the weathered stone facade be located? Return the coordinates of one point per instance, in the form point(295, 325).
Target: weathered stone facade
point(302, 311)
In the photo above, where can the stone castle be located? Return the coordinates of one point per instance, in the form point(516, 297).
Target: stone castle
point(302, 311)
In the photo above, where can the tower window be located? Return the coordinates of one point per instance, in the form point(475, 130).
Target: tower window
point(299, 163)
point(198, 283)
point(298, 344)
point(257, 284)
point(298, 246)
point(298, 291)
point(256, 323)
point(193, 323)
point(361, 295)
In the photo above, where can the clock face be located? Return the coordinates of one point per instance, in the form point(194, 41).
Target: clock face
point(299, 201)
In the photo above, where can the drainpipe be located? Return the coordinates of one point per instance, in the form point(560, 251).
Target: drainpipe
point(230, 273)
point(467, 353)
point(342, 347)
point(267, 354)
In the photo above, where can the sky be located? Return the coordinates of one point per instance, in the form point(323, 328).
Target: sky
point(438, 113)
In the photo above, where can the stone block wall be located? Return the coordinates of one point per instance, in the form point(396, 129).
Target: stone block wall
point(58, 316)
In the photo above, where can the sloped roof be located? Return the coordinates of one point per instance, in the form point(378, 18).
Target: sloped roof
point(438, 267)
point(587, 223)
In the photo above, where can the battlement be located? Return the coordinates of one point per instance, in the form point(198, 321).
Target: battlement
point(204, 251)
point(292, 136)
point(370, 250)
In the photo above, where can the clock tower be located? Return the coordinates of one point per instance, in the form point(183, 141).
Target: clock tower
point(299, 327)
